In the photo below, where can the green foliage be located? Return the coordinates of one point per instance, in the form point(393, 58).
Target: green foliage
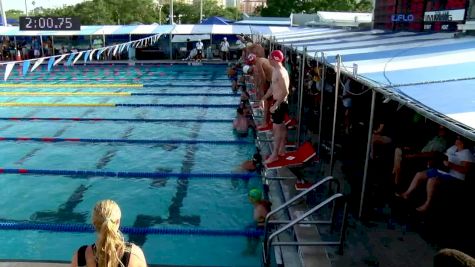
point(283, 8)
point(108, 12)
point(14, 14)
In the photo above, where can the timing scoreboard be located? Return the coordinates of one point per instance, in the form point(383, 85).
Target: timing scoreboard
point(50, 23)
point(419, 15)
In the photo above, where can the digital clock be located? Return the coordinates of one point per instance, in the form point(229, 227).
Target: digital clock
point(38, 23)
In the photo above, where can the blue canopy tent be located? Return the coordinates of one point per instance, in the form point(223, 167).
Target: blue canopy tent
point(217, 21)
point(10, 21)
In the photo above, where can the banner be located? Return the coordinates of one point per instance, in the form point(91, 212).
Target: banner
point(86, 55)
point(26, 66)
point(70, 59)
point(77, 58)
point(37, 63)
point(50, 63)
point(92, 53)
point(59, 59)
point(115, 50)
point(8, 70)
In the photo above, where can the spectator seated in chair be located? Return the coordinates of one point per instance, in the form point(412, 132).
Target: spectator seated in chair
point(404, 156)
point(458, 163)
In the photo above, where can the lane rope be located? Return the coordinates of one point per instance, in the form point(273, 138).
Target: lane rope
point(39, 104)
point(86, 228)
point(82, 174)
point(125, 141)
point(69, 85)
point(111, 119)
point(109, 94)
point(65, 94)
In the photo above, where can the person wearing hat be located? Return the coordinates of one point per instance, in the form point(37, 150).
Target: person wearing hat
point(261, 206)
point(279, 90)
point(224, 48)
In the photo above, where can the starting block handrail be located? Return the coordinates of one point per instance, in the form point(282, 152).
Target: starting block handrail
point(268, 240)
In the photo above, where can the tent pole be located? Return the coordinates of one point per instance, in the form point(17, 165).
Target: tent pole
point(52, 45)
point(368, 151)
point(41, 43)
point(301, 81)
point(322, 89)
point(171, 47)
point(335, 110)
point(211, 44)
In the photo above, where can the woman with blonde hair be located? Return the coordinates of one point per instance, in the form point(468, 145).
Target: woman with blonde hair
point(110, 249)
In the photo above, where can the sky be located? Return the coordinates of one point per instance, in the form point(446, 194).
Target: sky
point(20, 4)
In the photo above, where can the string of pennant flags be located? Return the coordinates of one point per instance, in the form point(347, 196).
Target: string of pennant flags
point(73, 57)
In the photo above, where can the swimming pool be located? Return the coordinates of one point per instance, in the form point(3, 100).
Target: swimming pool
point(173, 122)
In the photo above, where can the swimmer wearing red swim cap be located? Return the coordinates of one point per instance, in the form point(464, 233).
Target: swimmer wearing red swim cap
point(277, 56)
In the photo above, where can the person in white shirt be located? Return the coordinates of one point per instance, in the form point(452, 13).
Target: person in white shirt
point(459, 161)
point(199, 50)
point(224, 48)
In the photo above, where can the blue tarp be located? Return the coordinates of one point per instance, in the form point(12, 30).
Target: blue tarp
point(217, 21)
point(9, 21)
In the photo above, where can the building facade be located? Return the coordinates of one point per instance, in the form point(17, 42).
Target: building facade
point(250, 6)
point(420, 15)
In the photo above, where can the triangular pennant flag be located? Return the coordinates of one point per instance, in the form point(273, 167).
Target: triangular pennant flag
point(50, 63)
point(59, 59)
point(26, 66)
point(70, 59)
point(115, 50)
point(122, 48)
point(37, 63)
point(100, 52)
point(86, 56)
point(8, 69)
point(92, 53)
point(77, 58)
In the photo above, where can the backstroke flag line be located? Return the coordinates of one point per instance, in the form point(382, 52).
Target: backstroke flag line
point(73, 57)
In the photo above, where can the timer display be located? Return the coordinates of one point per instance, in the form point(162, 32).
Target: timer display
point(37, 23)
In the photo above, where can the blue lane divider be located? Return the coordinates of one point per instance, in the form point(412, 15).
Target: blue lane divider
point(177, 94)
point(112, 119)
point(126, 141)
point(179, 105)
point(85, 228)
point(184, 85)
point(125, 174)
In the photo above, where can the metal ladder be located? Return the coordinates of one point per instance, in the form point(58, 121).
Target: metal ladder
point(269, 237)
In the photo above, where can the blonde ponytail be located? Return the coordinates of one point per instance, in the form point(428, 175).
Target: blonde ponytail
point(110, 242)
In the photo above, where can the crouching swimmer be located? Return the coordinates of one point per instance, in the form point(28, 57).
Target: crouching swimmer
point(261, 208)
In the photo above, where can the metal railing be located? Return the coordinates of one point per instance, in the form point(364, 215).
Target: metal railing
point(269, 237)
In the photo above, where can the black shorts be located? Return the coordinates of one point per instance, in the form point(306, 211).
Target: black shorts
point(279, 114)
point(199, 52)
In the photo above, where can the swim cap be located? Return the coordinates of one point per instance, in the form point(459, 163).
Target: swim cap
point(277, 55)
point(255, 194)
point(251, 58)
point(224, 38)
point(246, 69)
point(249, 44)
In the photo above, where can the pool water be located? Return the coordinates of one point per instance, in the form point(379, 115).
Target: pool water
point(214, 202)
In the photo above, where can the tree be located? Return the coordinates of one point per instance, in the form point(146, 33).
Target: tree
point(14, 14)
point(103, 12)
point(283, 8)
